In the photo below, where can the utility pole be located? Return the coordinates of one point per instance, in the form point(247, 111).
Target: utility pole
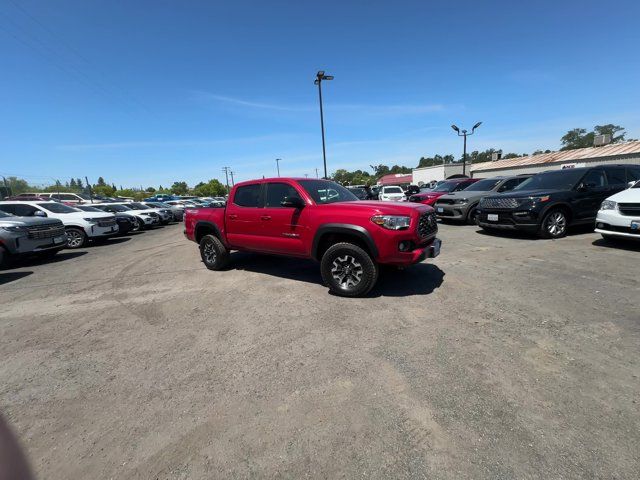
point(278, 165)
point(232, 181)
point(316, 173)
point(226, 173)
point(89, 187)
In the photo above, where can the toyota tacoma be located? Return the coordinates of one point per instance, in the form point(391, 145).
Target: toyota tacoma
point(318, 219)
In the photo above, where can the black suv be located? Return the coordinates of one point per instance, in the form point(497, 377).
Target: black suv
point(550, 202)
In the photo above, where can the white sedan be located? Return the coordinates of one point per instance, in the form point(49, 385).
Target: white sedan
point(619, 215)
point(392, 194)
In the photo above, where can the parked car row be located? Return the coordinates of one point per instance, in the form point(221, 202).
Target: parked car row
point(547, 204)
point(45, 227)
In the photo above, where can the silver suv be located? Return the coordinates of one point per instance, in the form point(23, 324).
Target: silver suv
point(28, 235)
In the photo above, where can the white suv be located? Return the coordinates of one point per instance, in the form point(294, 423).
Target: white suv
point(619, 215)
point(80, 226)
point(392, 194)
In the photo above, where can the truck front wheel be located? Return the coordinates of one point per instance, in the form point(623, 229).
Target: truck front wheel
point(215, 255)
point(348, 270)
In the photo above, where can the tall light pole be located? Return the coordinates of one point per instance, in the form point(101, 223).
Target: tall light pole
point(464, 133)
point(278, 165)
point(320, 76)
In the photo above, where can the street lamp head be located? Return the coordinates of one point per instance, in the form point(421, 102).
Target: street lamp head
point(320, 73)
point(455, 128)
point(316, 81)
point(327, 77)
point(476, 126)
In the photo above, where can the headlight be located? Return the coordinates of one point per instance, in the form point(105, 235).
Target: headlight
point(541, 199)
point(461, 201)
point(14, 228)
point(392, 222)
point(91, 220)
point(608, 205)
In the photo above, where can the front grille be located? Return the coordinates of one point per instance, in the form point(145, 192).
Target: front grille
point(427, 225)
point(446, 201)
point(45, 231)
point(500, 203)
point(629, 209)
point(107, 222)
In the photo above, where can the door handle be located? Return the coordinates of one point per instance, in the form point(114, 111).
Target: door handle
point(265, 217)
point(232, 216)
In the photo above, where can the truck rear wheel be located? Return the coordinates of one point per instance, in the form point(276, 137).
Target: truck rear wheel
point(215, 255)
point(348, 270)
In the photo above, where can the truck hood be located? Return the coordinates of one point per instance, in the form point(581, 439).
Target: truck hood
point(473, 195)
point(377, 207)
point(29, 221)
point(631, 195)
point(525, 193)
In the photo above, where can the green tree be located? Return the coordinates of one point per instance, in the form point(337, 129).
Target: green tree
point(577, 138)
point(17, 185)
point(73, 184)
point(151, 189)
point(104, 190)
point(213, 188)
point(101, 182)
point(179, 188)
point(79, 183)
point(611, 129)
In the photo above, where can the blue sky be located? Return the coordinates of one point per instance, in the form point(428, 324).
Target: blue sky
point(149, 92)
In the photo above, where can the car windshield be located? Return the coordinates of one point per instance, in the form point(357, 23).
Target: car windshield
point(138, 206)
point(446, 187)
point(561, 179)
point(392, 190)
point(84, 196)
point(485, 185)
point(57, 207)
point(89, 209)
point(325, 191)
point(637, 185)
point(117, 208)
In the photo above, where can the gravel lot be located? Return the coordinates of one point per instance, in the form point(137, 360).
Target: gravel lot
point(506, 357)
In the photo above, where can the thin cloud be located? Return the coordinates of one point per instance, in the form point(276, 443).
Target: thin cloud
point(355, 109)
point(168, 144)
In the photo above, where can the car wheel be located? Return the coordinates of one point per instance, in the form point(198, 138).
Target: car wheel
point(76, 238)
point(138, 225)
point(472, 215)
point(215, 255)
point(348, 270)
point(554, 224)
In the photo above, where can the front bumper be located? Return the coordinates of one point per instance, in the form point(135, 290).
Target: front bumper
point(451, 211)
point(524, 220)
point(98, 231)
point(23, 245)
point(611, 222)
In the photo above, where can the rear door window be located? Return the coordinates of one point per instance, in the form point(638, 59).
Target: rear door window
point(595, 179)
point(617, 177)
point(248, 196)
point(633, 174)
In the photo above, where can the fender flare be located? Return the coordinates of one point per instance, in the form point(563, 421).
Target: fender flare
point(203, 223)
point(343, 228)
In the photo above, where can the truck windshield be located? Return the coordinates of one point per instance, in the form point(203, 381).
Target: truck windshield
point(561, 179)
point(325, 191)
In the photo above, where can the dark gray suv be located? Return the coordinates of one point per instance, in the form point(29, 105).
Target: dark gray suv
point(462, 205)
point(28, 235)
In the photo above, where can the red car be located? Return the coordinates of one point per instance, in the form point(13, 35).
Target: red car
point(318, 219)
point(448, 186)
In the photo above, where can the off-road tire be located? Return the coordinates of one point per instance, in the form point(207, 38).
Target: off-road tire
point(360, 276)
point(214, 254)
point(76, 237)
point(554, 224)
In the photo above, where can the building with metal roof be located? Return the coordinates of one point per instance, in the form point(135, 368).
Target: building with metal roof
point(399, 179)
point(627, 152)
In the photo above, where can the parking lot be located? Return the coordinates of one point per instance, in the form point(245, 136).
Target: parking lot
point(505, 357)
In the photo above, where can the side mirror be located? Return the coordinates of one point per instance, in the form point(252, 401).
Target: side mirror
point(292, 202)
point(585, 187)
point(39, 213)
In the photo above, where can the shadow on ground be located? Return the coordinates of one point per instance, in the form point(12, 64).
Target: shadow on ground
point(420, 279)
point(576, 230)
point(622, 244)
point(36, 260)
point(109, 241)
point(9, 277)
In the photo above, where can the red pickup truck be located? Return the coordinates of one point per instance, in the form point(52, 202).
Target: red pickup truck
point(319, 219)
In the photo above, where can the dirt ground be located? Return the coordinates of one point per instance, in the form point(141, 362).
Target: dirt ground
point(506, 357)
